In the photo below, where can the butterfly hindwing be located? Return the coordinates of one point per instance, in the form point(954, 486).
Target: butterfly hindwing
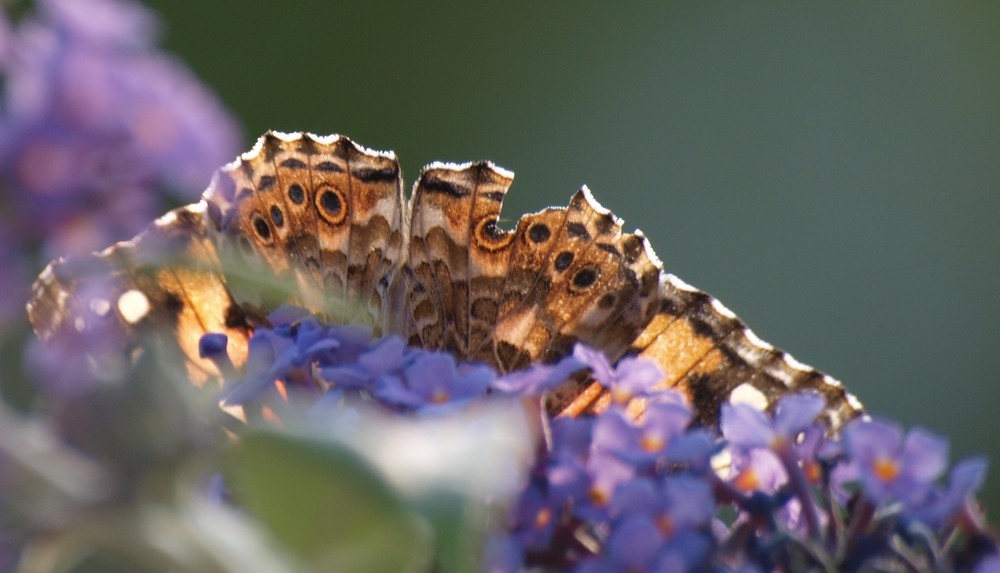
point(458, 254)
point(166, 283)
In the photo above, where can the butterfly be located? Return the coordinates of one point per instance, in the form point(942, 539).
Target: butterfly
point(323, 223)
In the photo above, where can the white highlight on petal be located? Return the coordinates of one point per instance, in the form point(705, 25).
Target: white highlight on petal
point(133, 306)
point(746, 394)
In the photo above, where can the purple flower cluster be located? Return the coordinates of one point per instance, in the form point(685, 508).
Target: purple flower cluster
point(609, 492)
point(301, 356)
point(95, 122)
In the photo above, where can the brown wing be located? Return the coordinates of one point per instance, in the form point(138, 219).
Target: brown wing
point(710, 355)
point(321, 222)
point(309, 220)
point(457, 255)
point(299, 219)
point(570, 274)
point(166, 282)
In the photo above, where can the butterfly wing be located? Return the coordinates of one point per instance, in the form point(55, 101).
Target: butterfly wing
point(300, 219)
point(167, 283)
point(312, 221)
point(457, 255)
point(567, 275)
point(322, 222)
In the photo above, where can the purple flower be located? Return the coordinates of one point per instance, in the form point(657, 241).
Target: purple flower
point(770, 451)
point(501, 554)
point(893, 467)
point(662, 423)
point(658, 526)
point(675, 503)
point(646, 441)
point(538, 378)
point(287, 354)
point(384, 358)
point(609, 465)
point(111, 23)
point(565, 464)
point(535, 518)
point(212, 345)
point(96, 122)
point(631, 377)
point(757, 470)
point(80, 357)
point(431, 379)
point(5, 40)
point(745, 426)
point(948, 505)
point(592, 457)
point(990, 564)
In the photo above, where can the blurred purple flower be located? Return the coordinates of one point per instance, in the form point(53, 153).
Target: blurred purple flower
point(609, 464)
point(501, 554)
point(631, 377)
point(111, 23)
point(73, 361)
point(990, 564)
point(621, 447)
point(433, 380)
point(288, 354)
point(893, 467)
point(946, 506)
point(5, 39)
point(676, 503)
point(96, 122)
point(658, 526)
point(608, 492)
point(535, 518)
point(694, 449)
point(539, 378)
point(347, 360)
point(383, 359)
point(565, 465)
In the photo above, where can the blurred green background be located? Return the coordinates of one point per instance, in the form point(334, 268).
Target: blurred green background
point(830, 172)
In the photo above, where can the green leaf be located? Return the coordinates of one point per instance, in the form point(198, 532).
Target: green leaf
point(328, 505)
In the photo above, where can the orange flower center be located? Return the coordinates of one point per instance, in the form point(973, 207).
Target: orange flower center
point(748, 480)
point(620, 396)
point(652, 443)
point(665, 525)
point(543, 517)
point(812, 471)
point(597, 496)
point(886, 469)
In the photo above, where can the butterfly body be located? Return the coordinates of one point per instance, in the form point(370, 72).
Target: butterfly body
point(324, 223)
